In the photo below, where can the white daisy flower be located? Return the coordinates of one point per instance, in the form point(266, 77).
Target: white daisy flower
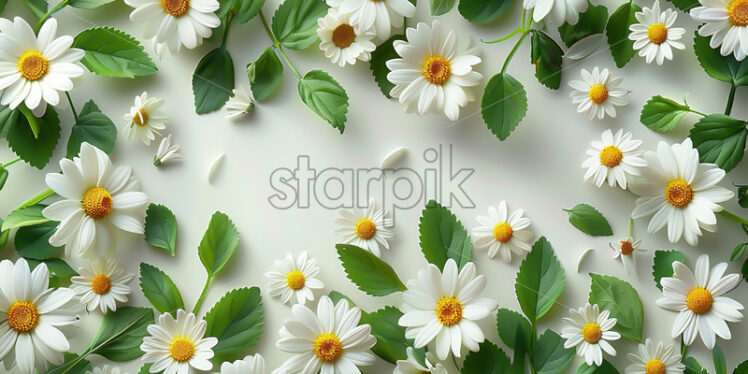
point(366, 228)
point(627, 249)
point(590, 331)
point(249, 365)
point(344, 41)
point(598, 93)
point(613, 158)
point(177, 345)
point(655, 359)
point(383, 15)
point(294, 279)
point(106, 369)
point(240, 103)
point(146, 119)
point(166, 152)
point(175, 23)
point(413, 366)
point(727, 23)
point(703, 309)
point(504, 233)
point(330, 341)
point(444, 307)
point(556, 11)
point(679, 192)
point(101, 284)
point(98, 200)
point(435, 71)
point(654, 36)
point(35, 67)
point(31, 315)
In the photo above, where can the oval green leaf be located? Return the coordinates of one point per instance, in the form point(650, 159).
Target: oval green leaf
point(442, 236)
point(159, 289)
point(720, 140)
point(622, 300)
point(368, 272)
point(114, 53)
point(589, 220)
point(326, 97)
point(265, 74)
point(503, 105)
point(484, 11)
point(295, 22)
point(618, 32)
point(218, 244)
point(93, 127)
point(662, 114)
point(213, 80)
point(540, 280)
point(237, 320)
point(161, 228)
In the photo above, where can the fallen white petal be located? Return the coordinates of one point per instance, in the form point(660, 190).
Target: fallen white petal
point(582, 256)
point(214, 167)
point(393, 158)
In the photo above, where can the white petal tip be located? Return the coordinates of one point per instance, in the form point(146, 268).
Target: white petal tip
point(214, 167)
point(582, 256)
point(393, 158)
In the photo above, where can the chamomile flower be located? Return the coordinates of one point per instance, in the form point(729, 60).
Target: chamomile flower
point(726, 21)
point(383, 15)
point(678, 191)
point(101, 284)
point(444, 307)
point(240, 103)
point(703, 309)
point(106, 369)
point(660, 359)
point(556, 11)
point(176, 23)
point(295, 279)
point(146, 119)
point(366, 228)
point(654, 36)
point(177, 345)
point(435, 71)
point(627, 249)
point(166, 152)
point(613, 158)
point(590, 331)
point(343, 41)
point(249, 365)
point(413, 366)
point(503, 232)
point(598, 93)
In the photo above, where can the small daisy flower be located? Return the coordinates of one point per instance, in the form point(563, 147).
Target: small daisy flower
point(659, 359)
point(294, 279)
point(627, 249)
point(166, 152)
point(240, 103)
point(249, 365)
point(504, 233)
point(106, 369)
point(726, 21)
point(177, 345)
point(613, 159)
point(176, 23)
point(366, 228)
point(598, 93)
point(556, 12)
point(654, 36)
point(413, 366)
point(383, 15)
point(343, 41)
point(146, 119)
point(590, 331)
point(101, 284)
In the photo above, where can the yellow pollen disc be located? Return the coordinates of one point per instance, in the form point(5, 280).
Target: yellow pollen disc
point(176, 8)
point(343, 36)
point(611, 155)
point(449, 311)
point(33, 65)
point(657, 33)
point(328, 347)
point(436, 69)
point(592, 333)
point(626, 247)
point(101, 284)
point(678, 193)
point(181, 349)
point(737, 13)
point(97, 203)
point(699, 300)
point(598, 94)
point(295, 280)
point(141, 118)
point(366, 228)
point(502, 232)
point(22, 316)
point(655, 366)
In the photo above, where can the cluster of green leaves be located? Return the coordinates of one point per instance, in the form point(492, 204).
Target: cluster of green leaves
point(589, 220)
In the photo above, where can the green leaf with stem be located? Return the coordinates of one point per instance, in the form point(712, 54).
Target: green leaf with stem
point(368, 272)
point(237, 320)
point(159, 289)
point(161, 228)
point(540, 281)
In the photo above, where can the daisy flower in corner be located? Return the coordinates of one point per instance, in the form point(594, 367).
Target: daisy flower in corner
point(249, 365)
point(627, 249)
point(598, 93)
point(35, 67)
point(434, 71)
point(613, 158)
point(503, 232)
point(660, 359)
point(726, 21)
point(240, 103)
point(383, 15)
point(700, 301)
point(98, 201)
point(330, 341)
point(176, 23)
point(146, 119)
point(654, 36)
point(556, 11)
point(415, 366)
point(166, 152)
point(101, 284)
point(177, 346)
point(590, 331)
point(366, 228)
point(294, 279)
point(678, 191)
point(343, 41)
point(444, 307)
point(106, 369)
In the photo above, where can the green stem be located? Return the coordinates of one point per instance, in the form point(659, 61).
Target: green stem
point(514, 50)
point(11, 162)
point(72, 107)
point(533, 337)
point(288, 62)
point(277, 46)
point(734, 217)
point(52, 11)
point(202, 295)
point(275, 41)
point(697, 112)
point(37, 199)
point(509, 36)
point(229, 18)
point(730, 99)
point(631, 226)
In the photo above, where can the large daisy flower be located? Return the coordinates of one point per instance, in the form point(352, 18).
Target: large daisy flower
point(613, 158)
point(590, 331)
point(727, 23)
point(175, 23)
point(366, 228)
point(177, 345)
point(502, 232)
point(660, 359)
point(435, 70)
point(33, 68)
point(556, 11)
point(598, 93)
point(294, 279)
point(97, 198)
point(445, 307)
point(146, 119)
point(679, 192)
point(101, 284)
point(31, 315)
point(654, 36)
point(414, 366)
point(330, 341)
point(249, 365)
point(383, 15)
point(703, 309)
point(344, 41)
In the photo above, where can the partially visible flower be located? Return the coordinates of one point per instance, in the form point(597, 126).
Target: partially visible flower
point(101, 284)
point(556, 11)
point(294, 279)
point(613, 159)
point(383, 15)
point(166, 152)
point(660, 359)
point(249, 365)
point(106, 369)
point(177, 346)
point(176, 23)
point(413, 366)
point(343, 41)
point(627, 249)
point(504, 233)
point(146, 119)
point(654, 36)
point(240, 103)
point(598, 93)
point(366, 228)
point(726, 21)
point(590, 331)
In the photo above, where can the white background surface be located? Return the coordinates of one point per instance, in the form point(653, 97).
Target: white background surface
point(537, 169)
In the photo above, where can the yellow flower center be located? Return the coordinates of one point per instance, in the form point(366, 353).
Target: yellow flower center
point(626, 247)
point(592, 333)
point(598, 94)
point(655, 366)
point(328, 347)
point(449, 311)
point(295, 280)
point(502, 232)
point(657, 33)
point(97, 203)
point(181, 349)
point(343, 36)
point(141, 118)
point(22, 316)
point(738, 13)
point(176, 8)
point(436, 69)
point(611, 155)
point(101, 284)
point(33, 65)
point(699, 300)
point(365, 228)
point(678, 193)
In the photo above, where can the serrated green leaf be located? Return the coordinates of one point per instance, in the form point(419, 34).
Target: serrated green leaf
point(121, 333)
point(326, 97)
point(693, 366)
point(213, 80)
point(88, 4)
point(81, 366)
point(295, 22)
point(237, 320)
point(662, 114)
point(540, 280)
point(368, 272)
point(742, 368)
point(605, 368)
point(218, 243)
point(244, 10)
point(35, 150)
point(442, 236)
point(720, 140)
point(663, 265)
point(550, 356)
point(723, 68)
point(589, 220)
point(114, 53)
point(28, 216)
point(618, 32)
point(592, 21)
point(737, 253)
point(265, 74)
point(159, 289)
point(161, 228)
point(59, 271)
point(484, 11)
point(378, 64)
point(33, 241)
point(439, 7)
point(489, 359)
point(511, 323)
point(622, 300)
point(546, 55)
point(503, 105)
point(93, 127)
point(391, 343)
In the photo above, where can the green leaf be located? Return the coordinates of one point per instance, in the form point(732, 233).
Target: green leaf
point(4, 235)
point(693, 366)
point(88, 4)
point(742, 368)
point(213, 80)
point(503, 105)
point(662, 115)
point(121, 333)
point(378, 64)
point(622, 300)
point(2, 5)
point(35, 150)
point(218, 244)
point(37, 7)
point(244, 10)
point(484, 11)
point(546, 55)
point(114, 53)
point(592, 21)
point(743, 196)
point(323, 95)
point(159, 289)
point(663, 264)
point(737, 253)
point(295, 22)
point(550, 356)
point(391, 343)
point(145, 369)
point(3, 177)
point(73, 364)
point(540, 280)
point(511, 323)
point(161, 228)
point(718, 357)
point(685, 5)
point(236, 320)
point(265, 74)
point(744, 271)
point(28, 216)
point(618, 32)
point(589, 220)
point(605, 368)
point(368, 272)
point(439, 7)
point(489, 359)
point(720, 140)
point(723, 68)
point(59, 271)
point(94, 128)
point(442, 236)
point(33, 241)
